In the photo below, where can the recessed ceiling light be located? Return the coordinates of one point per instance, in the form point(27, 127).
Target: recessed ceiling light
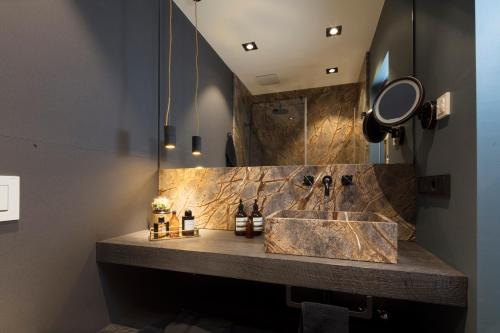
point(333, 31)
point(251, 46)
point(332, 70)
point(290, 118)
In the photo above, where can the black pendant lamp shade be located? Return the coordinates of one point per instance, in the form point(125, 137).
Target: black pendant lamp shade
point(169, 137)
point(196, 145)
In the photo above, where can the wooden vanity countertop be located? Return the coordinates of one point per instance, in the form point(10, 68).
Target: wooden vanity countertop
point(418, 276)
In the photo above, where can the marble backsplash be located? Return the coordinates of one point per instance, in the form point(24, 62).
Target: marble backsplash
point(213, 193)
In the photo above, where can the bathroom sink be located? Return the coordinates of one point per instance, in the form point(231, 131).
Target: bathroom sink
point(340, 235)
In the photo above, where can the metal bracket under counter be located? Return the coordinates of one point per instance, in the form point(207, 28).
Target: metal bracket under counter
point(366, 313)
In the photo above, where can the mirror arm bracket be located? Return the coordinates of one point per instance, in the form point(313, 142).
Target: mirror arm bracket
point(398, 134)
point(427, 114)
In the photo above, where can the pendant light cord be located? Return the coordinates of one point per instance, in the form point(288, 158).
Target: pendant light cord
point(197, 69)
point(167, 118)
point(158, 74)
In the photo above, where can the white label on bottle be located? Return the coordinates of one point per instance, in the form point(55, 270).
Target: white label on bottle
point(258, 223)
point(189, 225)
point(241, 223)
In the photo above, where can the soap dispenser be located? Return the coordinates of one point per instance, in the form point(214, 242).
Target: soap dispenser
point(257, 220)
point(241, 219)
point(188, 223)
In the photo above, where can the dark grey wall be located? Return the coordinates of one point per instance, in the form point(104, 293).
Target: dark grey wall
point(445, 61)
point(78, 120)
point(394, 34)
point(215, 96)
point(78, 123)
point(488, 165)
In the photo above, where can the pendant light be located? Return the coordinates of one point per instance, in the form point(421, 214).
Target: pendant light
point(169, 130)
point(196, 140)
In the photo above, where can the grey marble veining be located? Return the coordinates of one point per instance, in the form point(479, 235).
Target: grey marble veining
point(338, 235)
point(213, 193)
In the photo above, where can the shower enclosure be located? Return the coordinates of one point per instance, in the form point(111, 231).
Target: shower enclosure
point(277, 133)
point(317, 126)
point(324, 129)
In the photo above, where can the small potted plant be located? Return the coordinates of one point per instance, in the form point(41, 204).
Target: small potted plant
point(161, 210)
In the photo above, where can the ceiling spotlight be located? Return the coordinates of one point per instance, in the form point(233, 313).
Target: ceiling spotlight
point(333, 31)
point(332, 70)
point(251, 46)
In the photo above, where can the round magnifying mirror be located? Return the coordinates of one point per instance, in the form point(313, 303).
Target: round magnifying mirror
point(398, 101)
point(372, 130)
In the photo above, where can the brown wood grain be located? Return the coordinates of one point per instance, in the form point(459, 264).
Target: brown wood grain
point(418, 275)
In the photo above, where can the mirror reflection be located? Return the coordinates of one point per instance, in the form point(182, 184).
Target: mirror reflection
point(306, 75)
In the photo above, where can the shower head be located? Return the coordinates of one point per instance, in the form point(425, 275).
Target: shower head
point(279, 110)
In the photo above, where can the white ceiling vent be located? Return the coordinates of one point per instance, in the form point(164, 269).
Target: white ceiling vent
point(268, 79)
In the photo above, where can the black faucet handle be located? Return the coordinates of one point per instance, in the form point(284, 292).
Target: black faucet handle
point(346, 180)
point(308, 180)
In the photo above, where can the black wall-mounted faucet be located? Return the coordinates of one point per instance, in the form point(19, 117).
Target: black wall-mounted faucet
point(327, 182)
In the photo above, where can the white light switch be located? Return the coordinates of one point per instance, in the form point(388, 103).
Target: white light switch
point(4, 198)
point(443, 106)
point(9, 198)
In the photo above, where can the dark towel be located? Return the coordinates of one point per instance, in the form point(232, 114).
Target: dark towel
point(321, 318)
point(230, 151)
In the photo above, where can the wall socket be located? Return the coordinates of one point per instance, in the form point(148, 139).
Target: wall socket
point(443, 107)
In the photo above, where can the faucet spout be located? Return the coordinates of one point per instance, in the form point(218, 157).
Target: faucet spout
point(327, 182)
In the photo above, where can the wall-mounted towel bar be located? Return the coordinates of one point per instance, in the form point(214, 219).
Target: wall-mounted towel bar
point(367, 312)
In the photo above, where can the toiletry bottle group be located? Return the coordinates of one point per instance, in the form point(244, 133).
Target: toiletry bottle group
point(246, 225)
point(172, 228)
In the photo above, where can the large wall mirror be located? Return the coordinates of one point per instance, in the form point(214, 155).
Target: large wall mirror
point(310, 75)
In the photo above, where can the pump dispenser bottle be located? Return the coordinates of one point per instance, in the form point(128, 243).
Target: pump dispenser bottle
point(257, 220)
point(241, 219)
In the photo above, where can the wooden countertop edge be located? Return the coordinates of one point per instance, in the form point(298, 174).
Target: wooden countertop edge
point(446, 288)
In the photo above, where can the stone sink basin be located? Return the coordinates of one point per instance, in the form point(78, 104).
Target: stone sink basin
point(338, 235)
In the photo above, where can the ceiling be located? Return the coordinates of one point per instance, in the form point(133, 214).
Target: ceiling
point(290, 35)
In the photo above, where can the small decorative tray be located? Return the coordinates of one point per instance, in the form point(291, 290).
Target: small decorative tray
point(169, 235)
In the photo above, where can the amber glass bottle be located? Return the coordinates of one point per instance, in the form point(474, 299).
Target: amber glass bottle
point(175, 225)
point(249, 229)
point(257, 220)
point(241, 219)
